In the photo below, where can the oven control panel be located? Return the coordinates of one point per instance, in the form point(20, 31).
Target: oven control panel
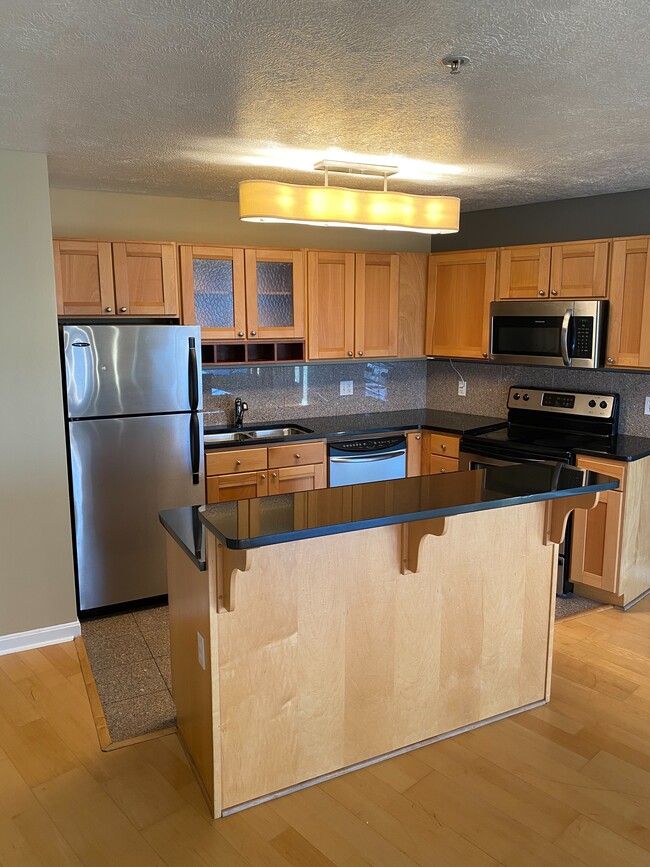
point(600, 406)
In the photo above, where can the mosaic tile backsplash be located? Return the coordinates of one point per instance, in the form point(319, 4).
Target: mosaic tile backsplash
point(488, 384)
point(279, 392)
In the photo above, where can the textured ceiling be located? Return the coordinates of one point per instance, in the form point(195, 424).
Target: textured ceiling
point(188, 98)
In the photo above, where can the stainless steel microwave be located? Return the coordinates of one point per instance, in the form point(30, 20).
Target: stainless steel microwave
point(556, 333)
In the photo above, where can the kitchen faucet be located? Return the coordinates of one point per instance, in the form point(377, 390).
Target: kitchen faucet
point(240, 408)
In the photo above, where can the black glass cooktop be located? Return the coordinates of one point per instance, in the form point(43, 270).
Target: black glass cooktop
point(536, 442)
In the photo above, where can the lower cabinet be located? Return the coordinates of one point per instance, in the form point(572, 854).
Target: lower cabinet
point(247, 473)
point(439, 453)
point(414, 453)
point(610, 549)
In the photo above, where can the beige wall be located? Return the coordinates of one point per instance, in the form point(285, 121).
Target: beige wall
point(84, 213)
point(36, 571)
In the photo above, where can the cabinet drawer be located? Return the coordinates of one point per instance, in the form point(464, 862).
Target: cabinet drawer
point(235, 461)
point(296, 454)
point(442, 465)
point(445, 445)
point(615, 469)
point(236, 486)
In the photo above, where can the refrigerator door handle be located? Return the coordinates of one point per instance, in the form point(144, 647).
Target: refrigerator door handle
point(195, 447)
point(193, 372)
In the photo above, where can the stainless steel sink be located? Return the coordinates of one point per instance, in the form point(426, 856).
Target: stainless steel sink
point(247, 436)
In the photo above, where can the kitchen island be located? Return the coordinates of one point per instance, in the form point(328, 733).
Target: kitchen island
point(324, 630)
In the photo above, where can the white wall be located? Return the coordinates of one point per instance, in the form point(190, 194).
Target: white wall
point(36, 568)
point(89, 214)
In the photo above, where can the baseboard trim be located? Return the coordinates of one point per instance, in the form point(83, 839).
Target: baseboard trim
point(34, 638)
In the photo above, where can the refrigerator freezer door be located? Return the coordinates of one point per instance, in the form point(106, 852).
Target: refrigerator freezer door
point(124, 472)
point(131, 369)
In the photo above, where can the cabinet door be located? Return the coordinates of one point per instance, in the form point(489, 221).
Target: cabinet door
point(84, 278)
point(414, 453)
point(461, 287)
point(330, 281)
point(596, 545)
point(289, 480)
point(212, 282)
point(524, 272)
point(275, 293)
point(628, 343)
point(579, 270)
point(236, 486)
point(376, 305)
point(145, 279)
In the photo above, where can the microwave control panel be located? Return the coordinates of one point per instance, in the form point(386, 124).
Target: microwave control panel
point(583, 333)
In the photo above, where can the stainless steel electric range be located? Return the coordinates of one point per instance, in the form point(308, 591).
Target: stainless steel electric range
point(546, 425)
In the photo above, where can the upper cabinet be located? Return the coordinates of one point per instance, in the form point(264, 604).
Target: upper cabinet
point(628, 343)
point(461, 287)
point(353, 304)
point(574, 270)
point(247, 294)
point(99, 278)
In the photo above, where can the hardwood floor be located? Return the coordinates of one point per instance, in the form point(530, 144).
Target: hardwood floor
point(566, 784)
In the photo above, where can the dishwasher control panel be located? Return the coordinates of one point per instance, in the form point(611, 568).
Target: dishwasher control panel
point(369, 445)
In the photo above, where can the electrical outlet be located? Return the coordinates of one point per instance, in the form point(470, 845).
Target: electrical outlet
point(462, 389)
point(346, 386)
point(647, 406)
point(200, 644)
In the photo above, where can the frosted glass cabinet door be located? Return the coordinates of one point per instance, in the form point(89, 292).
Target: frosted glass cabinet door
point(213, 290)
point(275, 293)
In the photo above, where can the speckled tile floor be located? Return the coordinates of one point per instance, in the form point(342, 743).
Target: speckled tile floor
point(129, 657)
point(565, 606)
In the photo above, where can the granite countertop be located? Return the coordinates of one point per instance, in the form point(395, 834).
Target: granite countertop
point(621, 448)
point(329, 511)
point(370, 423)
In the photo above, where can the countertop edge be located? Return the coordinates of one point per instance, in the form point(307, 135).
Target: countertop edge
point(198, 562)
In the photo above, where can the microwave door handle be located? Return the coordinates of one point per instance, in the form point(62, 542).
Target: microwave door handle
point(564, 338)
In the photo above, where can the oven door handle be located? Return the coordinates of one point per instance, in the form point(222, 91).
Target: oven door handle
point(564, 338)
point(352, 460)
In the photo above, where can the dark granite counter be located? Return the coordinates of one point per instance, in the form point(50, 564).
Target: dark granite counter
point(621, 448)
point(288, 517)
point(371, 423)
point(186, 529)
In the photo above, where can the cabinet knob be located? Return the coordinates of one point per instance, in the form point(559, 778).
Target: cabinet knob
point(443, 470)
point(350, 354)
point(263, 476)
point(485, 355)
point(298, 455)
point(122, 309)
point(238, 463)
point(417, 436)
point(361, 352)
point(443, 447)
point(541, 292)
point(108, 310)
point(253, 333)
point(610, 360)
point(240, 334)
point(553, 291)
point(274, 475)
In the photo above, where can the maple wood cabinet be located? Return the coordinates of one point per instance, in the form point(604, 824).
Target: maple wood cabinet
point(628, 333)
point(236, 293)
point(573, 270)
point(610, 550)
point(103, 278)
point(460, 288)
point(353, 304)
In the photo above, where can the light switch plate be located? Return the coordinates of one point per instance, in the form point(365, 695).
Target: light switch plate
point(647, 406)
point(346, 386)
point(200, 644)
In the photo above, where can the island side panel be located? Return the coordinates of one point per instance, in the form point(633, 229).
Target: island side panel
point(331, 656)
point(192, 611)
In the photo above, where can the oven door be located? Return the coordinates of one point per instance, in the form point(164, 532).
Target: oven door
point(475, 459)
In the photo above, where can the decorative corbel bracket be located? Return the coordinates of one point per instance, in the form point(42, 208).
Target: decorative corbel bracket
point(413, 535)
point(558, 511)
point(229, 564)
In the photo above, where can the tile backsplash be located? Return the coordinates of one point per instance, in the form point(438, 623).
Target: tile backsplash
point(487, 388)
point(283, 392)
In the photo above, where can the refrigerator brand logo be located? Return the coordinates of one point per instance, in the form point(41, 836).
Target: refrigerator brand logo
point(80, 343)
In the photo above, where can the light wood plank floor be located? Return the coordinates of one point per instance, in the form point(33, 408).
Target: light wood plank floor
point(567, 784)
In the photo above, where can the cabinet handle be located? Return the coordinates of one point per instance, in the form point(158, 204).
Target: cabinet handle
point(485, 355)
point(443, 470)
point(240, 334)
point(541, 292)
point(274, 475)
point(553, 291)
point(298, 455)
point(263, 476)
point(443, 447)
point(361, 352)
point(109, 310)
point(122, 309)
point(350, 354)
point(610, 360)
point(237, 463)
point(253, 333)
point(417, 436)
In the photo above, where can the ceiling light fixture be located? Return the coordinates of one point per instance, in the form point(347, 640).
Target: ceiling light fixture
point(276, 202)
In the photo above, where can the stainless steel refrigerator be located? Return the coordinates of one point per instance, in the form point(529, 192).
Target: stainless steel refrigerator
point(135, 429)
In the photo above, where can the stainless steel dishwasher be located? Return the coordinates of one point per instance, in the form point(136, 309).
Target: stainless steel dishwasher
point(371, 459)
